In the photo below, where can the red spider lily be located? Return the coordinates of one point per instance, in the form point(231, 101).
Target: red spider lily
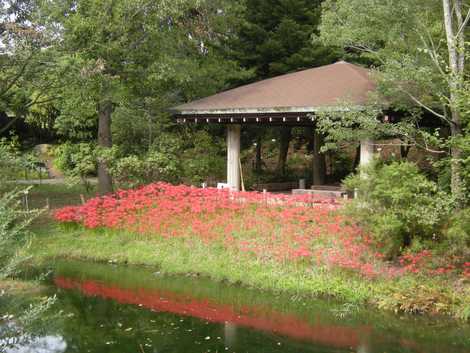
point(281, 228)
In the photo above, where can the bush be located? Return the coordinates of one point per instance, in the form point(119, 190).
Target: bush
point(398, 204)
point(13, 233)
point(132, 171)
point(13, 162)
point(171, 160)
point(204, 160)
point(77, 161)
point(159, 163)
point(458, 235)
point(14, 241)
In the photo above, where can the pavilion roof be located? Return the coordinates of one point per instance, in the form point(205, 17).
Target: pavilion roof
point(299, 92)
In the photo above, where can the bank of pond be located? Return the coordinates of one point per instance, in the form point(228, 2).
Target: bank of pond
point(115, 308)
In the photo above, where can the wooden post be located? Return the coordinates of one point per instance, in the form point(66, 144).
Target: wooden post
point(241, 174)
point(233, 156)
point(26, 200)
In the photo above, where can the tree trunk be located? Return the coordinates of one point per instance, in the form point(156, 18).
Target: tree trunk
point(105, 183)
point(319, 163)
point(286, 135)
point(456, 168)
point(455, 45)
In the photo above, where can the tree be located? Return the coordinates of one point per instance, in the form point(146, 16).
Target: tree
point(133, 59)
point(405, 42)
point(275, 37)
point(455, 28)
point(106, 46)
point(25, 62)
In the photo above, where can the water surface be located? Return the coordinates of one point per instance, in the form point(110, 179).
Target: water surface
point(107, 308)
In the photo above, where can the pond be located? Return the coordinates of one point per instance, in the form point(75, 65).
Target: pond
point(107, 308)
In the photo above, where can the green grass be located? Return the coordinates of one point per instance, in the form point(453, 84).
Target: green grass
point(16, 286)
point(58, 195)
point(177, 256)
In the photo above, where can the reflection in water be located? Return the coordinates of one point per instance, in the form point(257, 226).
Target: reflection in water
point(46, 344)
point(103, 306)
point(230, 334)
point(164, 301)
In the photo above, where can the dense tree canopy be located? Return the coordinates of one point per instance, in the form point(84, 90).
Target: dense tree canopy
point(275, 37)
point(27, 70)
point(135, 61)
point(418, 50)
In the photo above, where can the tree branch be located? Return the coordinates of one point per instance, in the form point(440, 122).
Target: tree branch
point(422, 105)
point(432, 52)
point(7, 126)
point(17, 76)
point(460, 36)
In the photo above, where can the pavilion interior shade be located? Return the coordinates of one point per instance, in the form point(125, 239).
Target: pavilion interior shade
point(322, 87)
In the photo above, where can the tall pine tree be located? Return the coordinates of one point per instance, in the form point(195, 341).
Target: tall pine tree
point(275, 37)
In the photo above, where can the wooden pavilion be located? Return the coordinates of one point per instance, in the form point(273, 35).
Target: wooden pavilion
point(289, 99)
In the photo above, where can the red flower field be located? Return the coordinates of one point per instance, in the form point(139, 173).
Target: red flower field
point(280, 228)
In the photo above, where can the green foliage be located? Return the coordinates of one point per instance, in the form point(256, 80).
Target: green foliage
point(160, 163)
point(137, 61)
point(27, 66)
point(398, 37)
point(9, 159)
point(275, 37)
point(204, 159)
point(192, 159)
point(406, 43)
point(457, 235)
point(13, 162)
point(398, 204)
point(76, 160)
point(137, 52)
point(13, 232)
point(15, 240)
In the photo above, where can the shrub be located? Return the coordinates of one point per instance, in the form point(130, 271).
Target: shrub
point(132, 171)
point(204, 159)
point(13, 234)
point(458, 234)
point(13, 162)
point(77, 161)
point(14, 241)
point(398, 204)
point(171, 160)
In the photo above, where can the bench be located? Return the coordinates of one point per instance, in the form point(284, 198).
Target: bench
point(326, 191)
point(283, 186)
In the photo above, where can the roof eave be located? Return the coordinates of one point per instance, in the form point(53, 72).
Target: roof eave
point(272, 110)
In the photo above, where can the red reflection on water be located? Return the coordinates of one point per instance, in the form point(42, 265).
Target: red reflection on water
point(157, 300)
